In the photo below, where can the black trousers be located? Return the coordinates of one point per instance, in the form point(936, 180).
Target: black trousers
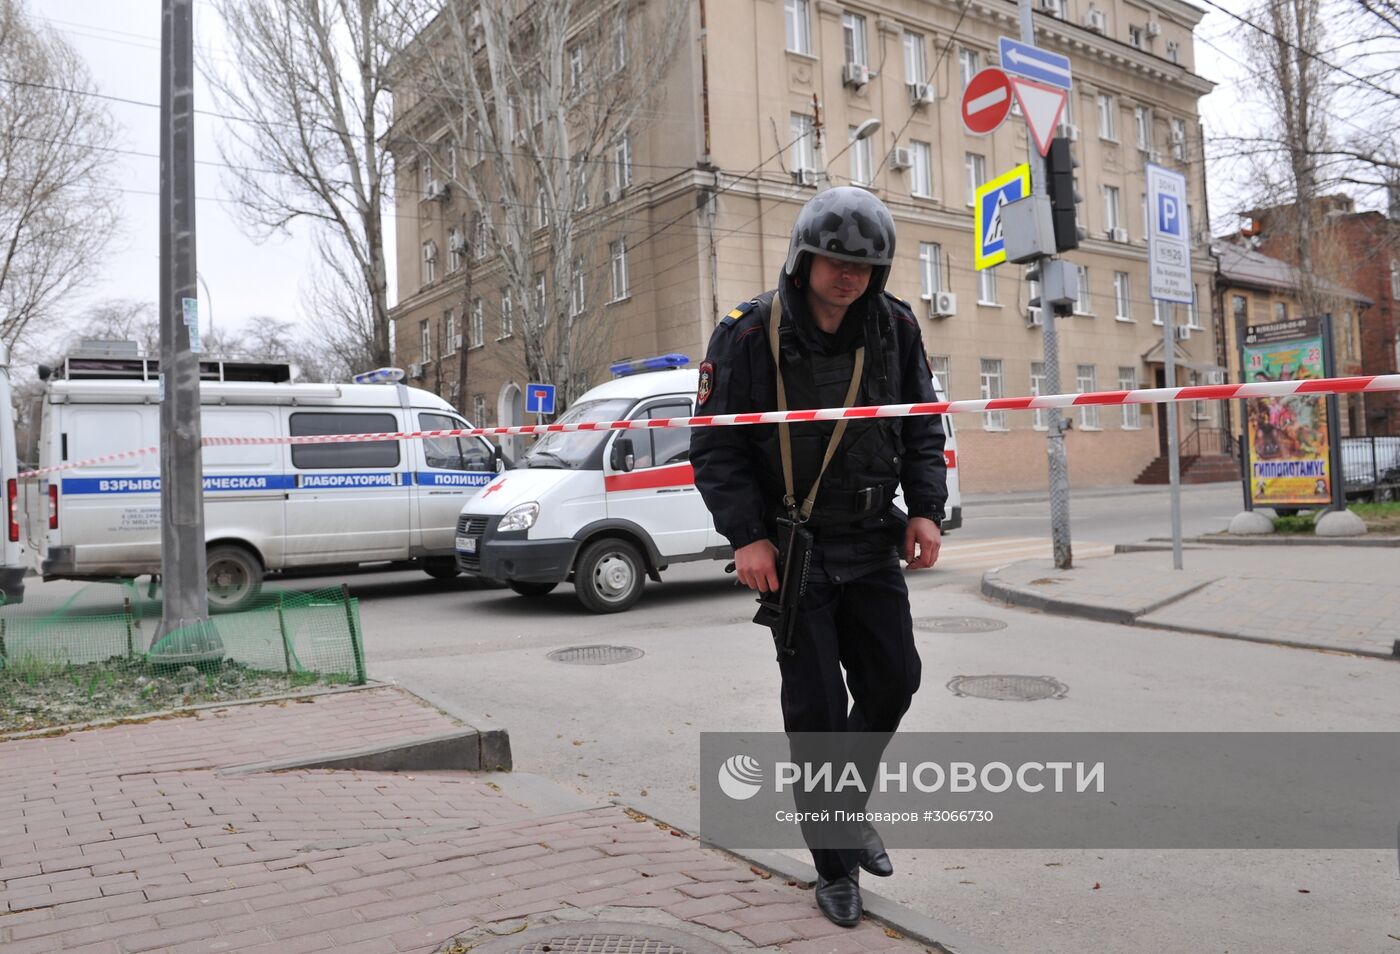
point(861, 626)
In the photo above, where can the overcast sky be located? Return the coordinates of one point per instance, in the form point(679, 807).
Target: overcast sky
point(120, 41)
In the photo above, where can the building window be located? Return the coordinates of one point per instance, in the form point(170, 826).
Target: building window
point(542, 207)
point(479, 410)
point(1239, 307)
point(1056, 8)
point(862, 159)
point(1161, 311)
point(1178, 127)
point(1142, 124)
point(922, 179)
point(992, 389)
point(853, 32)
point(1108, 119)
point(1037, 389)
point(1174, 51)
point(1033, 312)
point(1132, 413)
point(455, 244)
point(915, 66)
point(976, 167)
point(622, 163)
point(1112, 208)
point(541, 312)
point(1081, 304)
point(617, 256)
point(1199, 409)
point(1193, 313)
point(576, 65)
point(1135, 38)
point(969, 63)
point(425, 339)
point(803, 149)
point(1085, 381)
point(429, 262)
point(449, 332)
point(1280, 311)
point(1394, 279)
point(799, 29)
point(1349, 324)
point(507, 314)
point(930, 269)
point(425, 176)
point(478, 234)
point(1122, 300)
point(478, 324)
point(942, 369)
point(619, 41)
point(576, 290)
point(987, 286)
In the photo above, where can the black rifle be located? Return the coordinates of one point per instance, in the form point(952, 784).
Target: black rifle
point(778, 611)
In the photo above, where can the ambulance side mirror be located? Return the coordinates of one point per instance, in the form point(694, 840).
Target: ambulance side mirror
point(623, 458)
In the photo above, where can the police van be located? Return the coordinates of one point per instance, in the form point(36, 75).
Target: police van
point(266, 506)
point(12, 556)
point(606, 510)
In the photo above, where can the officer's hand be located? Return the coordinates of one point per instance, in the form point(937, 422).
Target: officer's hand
point(923, 533)
point(757, 566)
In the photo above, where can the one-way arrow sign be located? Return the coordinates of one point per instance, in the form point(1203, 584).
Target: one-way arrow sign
point(1032, 62)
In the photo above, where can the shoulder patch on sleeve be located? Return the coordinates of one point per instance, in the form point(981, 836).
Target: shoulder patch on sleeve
point(737, 312)
point(899, 301)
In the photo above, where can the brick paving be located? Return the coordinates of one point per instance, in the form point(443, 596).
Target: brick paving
point(127, 838)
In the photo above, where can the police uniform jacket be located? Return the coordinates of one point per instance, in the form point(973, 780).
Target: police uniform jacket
point(738, 469)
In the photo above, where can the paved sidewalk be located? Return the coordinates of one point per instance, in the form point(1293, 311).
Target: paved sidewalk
point(129, 838)
point(1336, 598)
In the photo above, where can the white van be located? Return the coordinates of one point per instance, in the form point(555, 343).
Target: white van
point(266, 507)
point(581, 508)
point(12, 558)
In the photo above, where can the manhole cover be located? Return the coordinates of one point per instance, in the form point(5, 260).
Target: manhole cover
point(596, 655)
point(958, 624)
point(1008, 688)
point(599, 937)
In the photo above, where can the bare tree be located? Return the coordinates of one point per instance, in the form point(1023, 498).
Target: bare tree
point(309, 90)
point(529, 112)
point(57, 207)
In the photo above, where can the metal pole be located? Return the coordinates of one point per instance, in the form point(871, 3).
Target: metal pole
point(1173, 439)
point(209, 297)
point(185, 633)
point(1059, 468)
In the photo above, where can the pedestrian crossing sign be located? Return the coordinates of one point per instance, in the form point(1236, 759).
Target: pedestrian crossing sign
point(989, 246)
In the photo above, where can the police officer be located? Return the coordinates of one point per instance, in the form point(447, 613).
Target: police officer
point(842, 340)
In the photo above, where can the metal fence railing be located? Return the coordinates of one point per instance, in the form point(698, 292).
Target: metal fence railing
point(1371, 465)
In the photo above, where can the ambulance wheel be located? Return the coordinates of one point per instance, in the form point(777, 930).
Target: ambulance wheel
point(441, 568)
point(609, 576)
point(526, 588)
point(235, 578)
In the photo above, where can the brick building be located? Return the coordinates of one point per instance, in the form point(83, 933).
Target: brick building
point(760, 109)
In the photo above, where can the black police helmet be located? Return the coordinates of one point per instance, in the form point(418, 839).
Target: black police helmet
point(846, 223)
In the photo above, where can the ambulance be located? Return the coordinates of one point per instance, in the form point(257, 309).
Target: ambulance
point(606, 510)
point(266, 506)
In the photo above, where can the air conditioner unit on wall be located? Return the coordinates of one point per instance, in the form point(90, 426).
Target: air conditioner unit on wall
point(1097, 21)
point(456, 242)
point(943, 305)
point(901, 158)
point(855, 74)
point(1154, 28)
point(1033, 317)
point(921, 94)
point(1119, 235)
point(1183, 332)
point(437, 190)
point(1203, 236)
point(415, 370)
point(456, 342)
point(611, 195)
point(1070, 131)
point(804, 177)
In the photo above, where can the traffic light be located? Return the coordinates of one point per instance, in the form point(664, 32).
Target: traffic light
point(1059, 178)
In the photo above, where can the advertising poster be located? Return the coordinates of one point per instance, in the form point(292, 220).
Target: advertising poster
point(1289, 439)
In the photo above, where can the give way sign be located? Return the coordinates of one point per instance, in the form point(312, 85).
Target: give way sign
point(986, 101)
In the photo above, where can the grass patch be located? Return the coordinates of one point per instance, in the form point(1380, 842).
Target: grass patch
point(1301, 523)
point(1379, 518)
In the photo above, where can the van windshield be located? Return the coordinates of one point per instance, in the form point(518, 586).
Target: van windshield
point(571, 449)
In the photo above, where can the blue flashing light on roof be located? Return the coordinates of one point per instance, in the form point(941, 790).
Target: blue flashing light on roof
point(661, 362)
point(379, 376)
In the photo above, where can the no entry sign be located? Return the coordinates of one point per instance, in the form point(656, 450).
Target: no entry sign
point(986, 101)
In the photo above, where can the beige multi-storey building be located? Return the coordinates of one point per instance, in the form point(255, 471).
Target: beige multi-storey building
point(761, 104)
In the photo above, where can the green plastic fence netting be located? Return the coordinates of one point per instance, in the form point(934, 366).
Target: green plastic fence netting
point(92, 654)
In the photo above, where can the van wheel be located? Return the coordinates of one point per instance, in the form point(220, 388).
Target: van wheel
point(609, 576)
point(526, 588)
point(441, 568)
point(235, 578)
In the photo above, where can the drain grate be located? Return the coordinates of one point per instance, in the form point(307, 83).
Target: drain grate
point(958, 624)
point(1008, 688)
point(596, 655)
point(599, 937)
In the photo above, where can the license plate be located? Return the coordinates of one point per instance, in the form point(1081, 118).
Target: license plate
point(466, 544)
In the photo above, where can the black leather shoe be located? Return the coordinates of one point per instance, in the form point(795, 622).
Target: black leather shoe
point(839, 899)
point(872, 853)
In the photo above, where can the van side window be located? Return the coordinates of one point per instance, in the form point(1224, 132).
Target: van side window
point(351, 454)
point(667, 445)
point(452, 453)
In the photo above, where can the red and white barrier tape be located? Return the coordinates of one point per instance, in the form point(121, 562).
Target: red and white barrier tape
point(1206, 392)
